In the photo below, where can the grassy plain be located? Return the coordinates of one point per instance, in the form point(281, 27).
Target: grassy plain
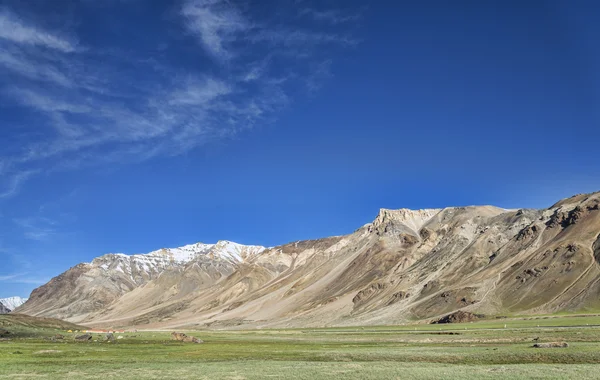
point(481, 350)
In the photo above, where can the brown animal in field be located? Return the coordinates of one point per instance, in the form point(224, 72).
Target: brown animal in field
point(181, 337)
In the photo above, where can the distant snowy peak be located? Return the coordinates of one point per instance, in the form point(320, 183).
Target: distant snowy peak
point(12, 303)
point(231, 252)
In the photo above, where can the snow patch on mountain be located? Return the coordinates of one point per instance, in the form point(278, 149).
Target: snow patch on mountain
point(235, 252)
point(223, 249)
point(11, 303)
point(156, 261)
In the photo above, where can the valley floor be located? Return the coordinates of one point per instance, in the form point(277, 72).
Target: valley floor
point(483, 350)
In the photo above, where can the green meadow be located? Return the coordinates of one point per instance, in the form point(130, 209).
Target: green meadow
point(481, 350)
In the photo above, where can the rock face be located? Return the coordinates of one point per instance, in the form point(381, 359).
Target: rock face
point(405, 265)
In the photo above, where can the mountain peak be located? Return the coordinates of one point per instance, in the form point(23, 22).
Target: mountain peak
point(412, 219)
point(407, 214)
point(11, 303)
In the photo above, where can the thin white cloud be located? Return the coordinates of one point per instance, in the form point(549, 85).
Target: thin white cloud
point(15, 30)
point(37, 228)
point(17, 258)
point(290, 38)
point(333, 16)
point(21, 64)
point(20, 278)
point(8, 277)
point(216, 22)
point(199, 92)
point(43, 102)
point(31, 280)
point(11, 184)
point(319, 72)
point(253, 74)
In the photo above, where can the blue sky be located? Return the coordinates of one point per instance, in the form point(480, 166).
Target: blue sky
point(127, 126)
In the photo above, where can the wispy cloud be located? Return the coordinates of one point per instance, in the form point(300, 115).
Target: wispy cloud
point(11, 184)
point(31, 280)
point(44, 102)
point(199, 92)
point(222, 28)
point(216, 22)
point(290, 38)
point(20, 63)
point(20, 260)
point(8, 277)
point(37, 228)
point(16, 30)
point(23, 278)
point(333, 16)
point(93, 107)
point(319, 73)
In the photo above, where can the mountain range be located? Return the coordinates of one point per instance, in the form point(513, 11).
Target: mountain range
point(406, 265)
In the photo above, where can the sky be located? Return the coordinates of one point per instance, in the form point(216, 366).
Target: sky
point(132, 125)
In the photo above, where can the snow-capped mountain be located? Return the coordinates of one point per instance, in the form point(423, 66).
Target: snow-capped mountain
point(12, 303)
point(223, 250)
point(109, 277)
point(141, 266)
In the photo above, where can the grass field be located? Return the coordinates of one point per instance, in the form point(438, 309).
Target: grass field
point(482, 350)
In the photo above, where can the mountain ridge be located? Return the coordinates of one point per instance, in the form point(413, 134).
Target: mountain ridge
point(404, 265)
